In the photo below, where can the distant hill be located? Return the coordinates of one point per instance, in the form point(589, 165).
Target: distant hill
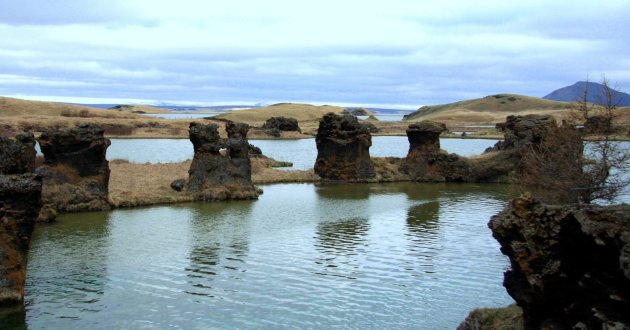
point(138, 108)
point(575, 93)
point(488, 110)
point(301, 112)
point(18, 107)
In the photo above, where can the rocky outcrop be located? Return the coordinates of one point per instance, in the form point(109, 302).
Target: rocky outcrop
point(599, 124)
point(221, 169)
point(507, 318)
point(20, 202)
point(426, 162)
point(75, 170)
point(17, 155)
point(523, 131)
point(343, 149)
point(276, 125)
point(570, 266)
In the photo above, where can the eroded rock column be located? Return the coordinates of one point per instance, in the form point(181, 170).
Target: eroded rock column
point(75, 170)
point(426, 162)
point(343, 149)
point(221, 169)
point(570, 266)
point(20, 202)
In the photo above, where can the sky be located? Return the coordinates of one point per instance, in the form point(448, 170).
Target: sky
point(394, 53)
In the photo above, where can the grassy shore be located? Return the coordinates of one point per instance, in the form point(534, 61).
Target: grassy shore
point(149, 184)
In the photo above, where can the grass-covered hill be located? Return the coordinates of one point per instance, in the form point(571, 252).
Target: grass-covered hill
point(301, 112)
point(489, 110)
point(10, 107)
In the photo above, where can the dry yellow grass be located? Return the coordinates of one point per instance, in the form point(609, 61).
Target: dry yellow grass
point(16, 107)
point(149, 184)
point(494, 109)
point(139, 108)
point(145, 184)
point(301, 112)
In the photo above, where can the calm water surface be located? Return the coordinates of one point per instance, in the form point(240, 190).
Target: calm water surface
point(401, 256)
point(301, 152)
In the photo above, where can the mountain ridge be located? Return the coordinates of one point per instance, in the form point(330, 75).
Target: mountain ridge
point(596, 92)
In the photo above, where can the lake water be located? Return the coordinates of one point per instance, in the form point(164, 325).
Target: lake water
point(303, 256)
point(182, 115)
point(382, 117)
point(301, 152)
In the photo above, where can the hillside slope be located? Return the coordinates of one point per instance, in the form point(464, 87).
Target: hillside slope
point(575, 93)
point(489, 110)
point(301, 112)
point(138, 108)
point(10, 107)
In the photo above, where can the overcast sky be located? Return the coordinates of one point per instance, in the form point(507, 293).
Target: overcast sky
point(390, 53)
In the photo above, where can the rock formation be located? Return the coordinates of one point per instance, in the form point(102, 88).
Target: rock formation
point(523, 131)
point(221, 169)
point(570, 266)
point(75, 170)
point(507, 318)
point(17, 155)
point(20, 202)
point(426, 162)
point(343, 149)
point(276, 125)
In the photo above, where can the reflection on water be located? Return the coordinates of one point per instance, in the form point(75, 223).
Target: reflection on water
point(338, 243)
point(303, 256)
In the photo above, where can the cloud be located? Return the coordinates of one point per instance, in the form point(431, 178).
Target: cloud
point(394, 52)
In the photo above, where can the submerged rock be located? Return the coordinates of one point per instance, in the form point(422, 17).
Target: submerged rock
point(75, 171)
point(20, 202)
point(221, 169)
point(343, 149)
point(17, 155)
point(570, 266)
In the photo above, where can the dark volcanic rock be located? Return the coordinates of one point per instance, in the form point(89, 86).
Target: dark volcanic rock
point(343, 149)
point(17, 155)
point(424, 137)
point(282, 124)
point(178, 185)
point(75, 170)
point(20, 202)
point(220, 169)
point(523, 131)
point(427, 162)
point(570, 266)
point(599, 125)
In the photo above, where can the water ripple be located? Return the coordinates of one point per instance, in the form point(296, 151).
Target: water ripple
point(303, 256)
